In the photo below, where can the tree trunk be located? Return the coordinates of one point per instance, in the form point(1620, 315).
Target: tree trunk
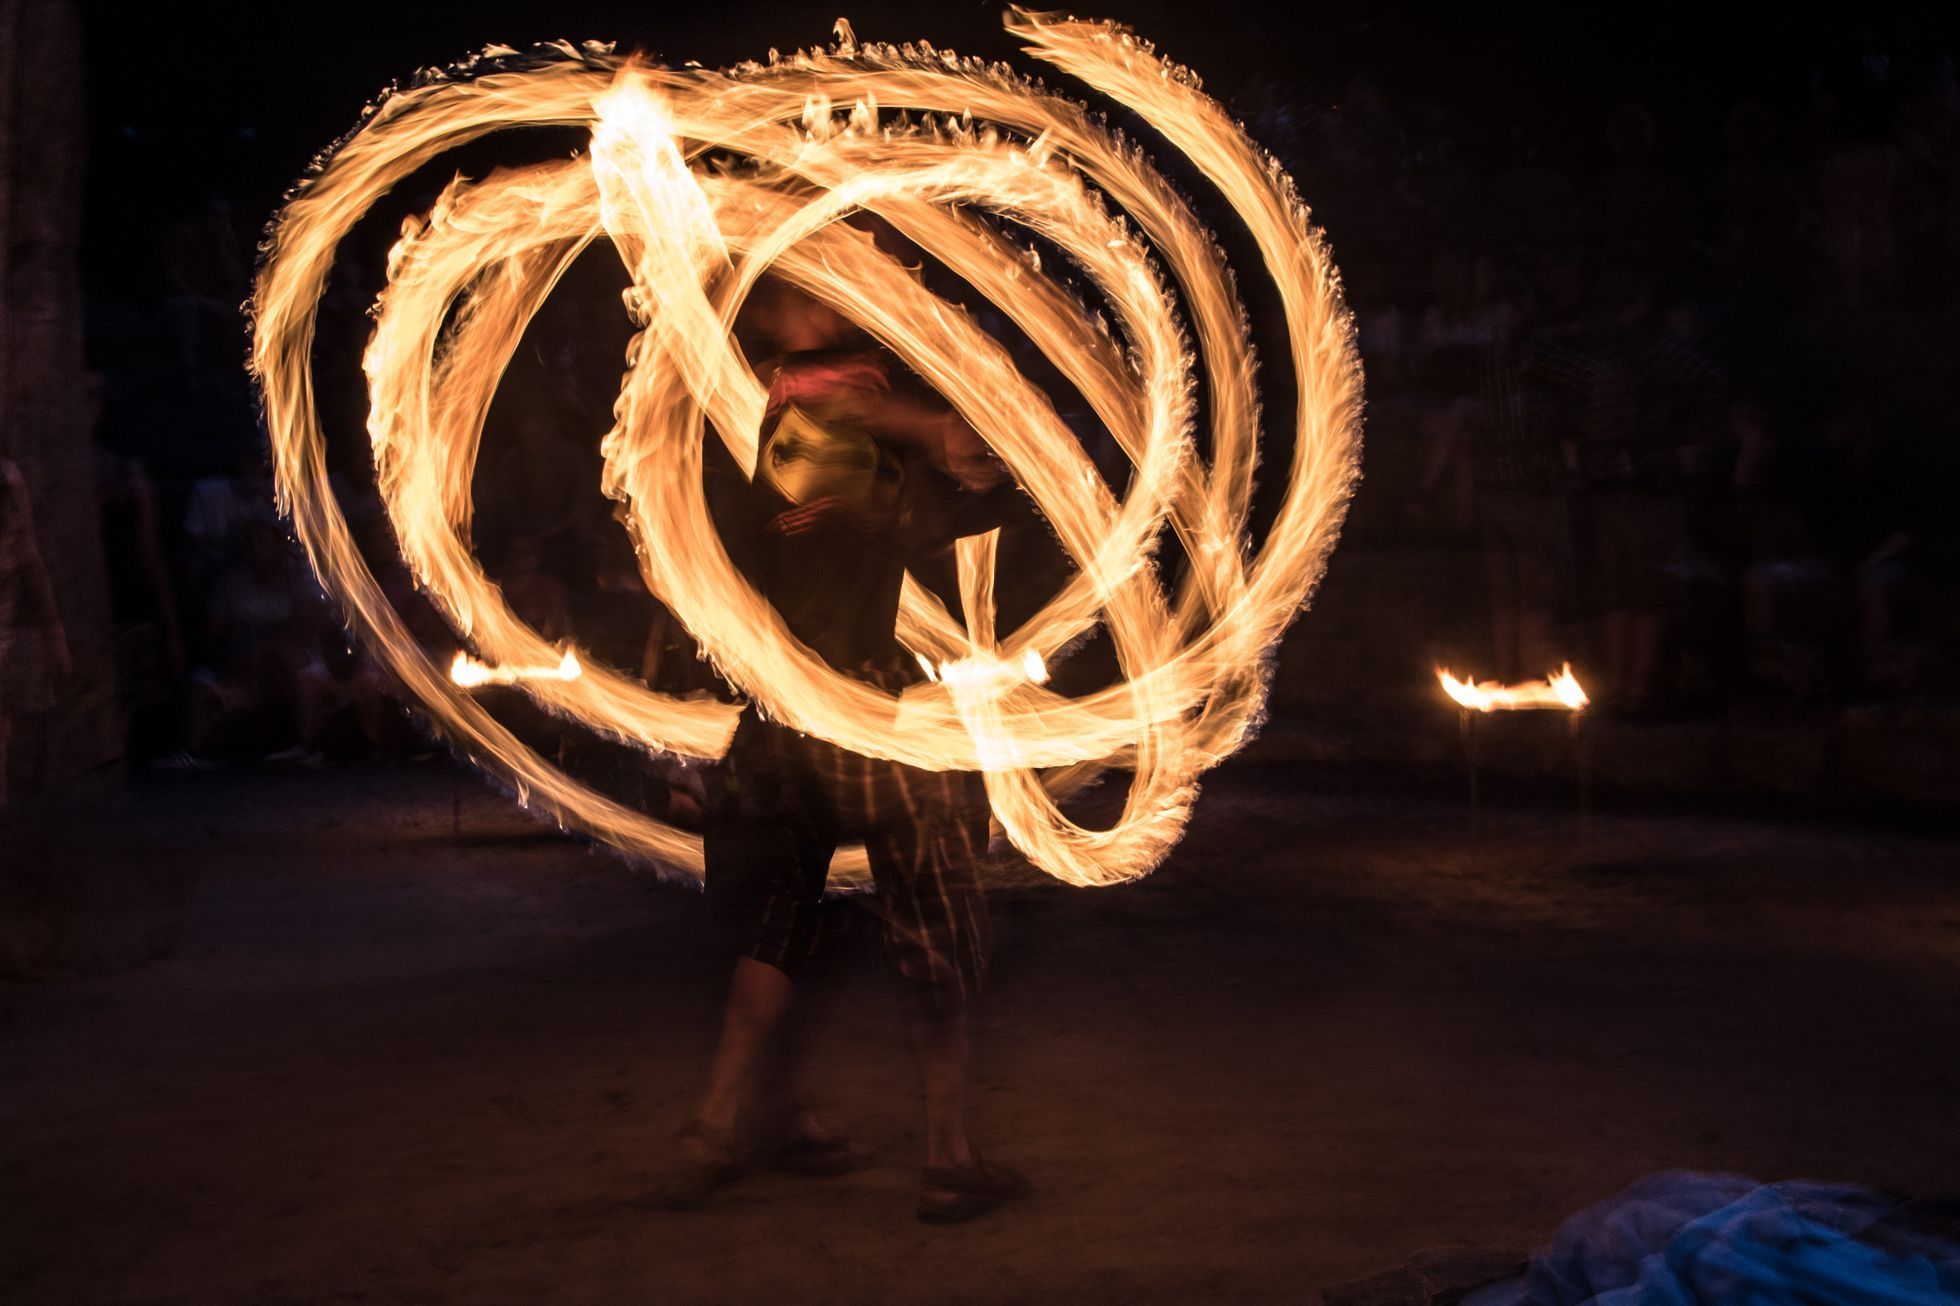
point(44, 417)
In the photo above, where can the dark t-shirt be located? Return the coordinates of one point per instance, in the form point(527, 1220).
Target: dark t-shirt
point(837, 584)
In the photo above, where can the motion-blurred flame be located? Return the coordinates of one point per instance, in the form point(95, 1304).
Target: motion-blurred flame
point(1560, 691)
point(470, 673)
point(954, 154)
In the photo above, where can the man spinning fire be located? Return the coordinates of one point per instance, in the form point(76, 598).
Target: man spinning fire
point(858, 479)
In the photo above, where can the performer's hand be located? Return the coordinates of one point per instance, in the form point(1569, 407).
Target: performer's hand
point(831, 513)
point(829, 383)
point(807, 517)
point(969, 459)
point(684, 809)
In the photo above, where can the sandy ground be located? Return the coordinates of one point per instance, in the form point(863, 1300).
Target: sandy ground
point(380, 1061)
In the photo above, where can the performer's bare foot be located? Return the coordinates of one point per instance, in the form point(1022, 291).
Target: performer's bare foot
point(703, 1160)
point(949, 1194)
point(800, 1143)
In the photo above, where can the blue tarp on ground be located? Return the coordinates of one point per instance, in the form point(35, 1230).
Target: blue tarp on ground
point(1684, 1239)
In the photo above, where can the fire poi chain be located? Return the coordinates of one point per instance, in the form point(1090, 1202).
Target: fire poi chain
point(820, 140)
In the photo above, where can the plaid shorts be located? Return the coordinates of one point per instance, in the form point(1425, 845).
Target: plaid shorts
point(788, 800)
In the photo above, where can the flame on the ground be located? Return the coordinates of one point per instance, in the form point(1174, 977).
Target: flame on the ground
point(1559, 691)
point(470, 673)
point(929, 143)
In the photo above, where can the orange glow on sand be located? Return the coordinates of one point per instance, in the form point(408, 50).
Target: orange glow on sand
point(953, 154)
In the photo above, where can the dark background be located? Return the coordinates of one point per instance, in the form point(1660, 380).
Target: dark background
point(1437, 147)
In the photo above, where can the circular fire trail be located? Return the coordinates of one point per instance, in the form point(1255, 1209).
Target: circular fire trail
point(950, 152)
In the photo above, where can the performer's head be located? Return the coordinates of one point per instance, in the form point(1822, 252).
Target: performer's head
point(793, 321)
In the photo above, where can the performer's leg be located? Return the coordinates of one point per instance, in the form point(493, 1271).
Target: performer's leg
point(942, 1045)
point(785, 1121)
point(936, 945)
point(759, 1000)
point(765, 869)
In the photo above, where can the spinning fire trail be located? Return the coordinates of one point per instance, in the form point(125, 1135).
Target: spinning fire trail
point(949, 152)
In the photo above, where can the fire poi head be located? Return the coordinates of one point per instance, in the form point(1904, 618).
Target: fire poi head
point(953, 154)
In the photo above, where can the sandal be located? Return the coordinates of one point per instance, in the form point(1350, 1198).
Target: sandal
point(700, 1165)
point(950, 1194)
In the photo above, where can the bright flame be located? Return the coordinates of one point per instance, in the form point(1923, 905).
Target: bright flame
point(1560, 690)
point(470, 673)
point(987, 673)
point(927, 142)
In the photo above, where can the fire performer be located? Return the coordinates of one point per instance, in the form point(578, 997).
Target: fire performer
point(857, 480)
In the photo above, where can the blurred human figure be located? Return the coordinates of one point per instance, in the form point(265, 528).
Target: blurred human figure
point(1791, 586)
point(149, 636)
point(215, 520)
point(537, 483)
point(1357, 157)
point(1533, 196)
point(1766, 225)
point(856, 480)
point(338, 682)
point(31, 633)
point(1533, 389)
point(1657, 411)
point(1929, 179)
point(539, 599)
point(205, 282)
point(1461, 331)
point(1855, 171)
point(261, 624)
point(372, 691)
point(1890, 528)
point(1640, 211)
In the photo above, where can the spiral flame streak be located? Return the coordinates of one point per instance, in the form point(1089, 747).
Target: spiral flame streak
point(464, 282)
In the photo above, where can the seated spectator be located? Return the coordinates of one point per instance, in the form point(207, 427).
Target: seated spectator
point(1767, 227)
point(1791, 586)
point(338, 684)
point(1655, 414)
point(221, 507)
point(1890, 528)
point(149, 638)
point(1460, 332)
point(539, 599)
point(261, 627)
point(1529, 397)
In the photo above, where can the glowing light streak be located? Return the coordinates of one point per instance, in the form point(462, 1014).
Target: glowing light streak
point(952, 153)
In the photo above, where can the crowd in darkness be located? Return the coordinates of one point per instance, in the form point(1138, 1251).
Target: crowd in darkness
point(1684, 376)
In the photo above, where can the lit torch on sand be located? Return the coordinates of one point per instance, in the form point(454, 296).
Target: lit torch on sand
point(1559, 692)
point(468, 673)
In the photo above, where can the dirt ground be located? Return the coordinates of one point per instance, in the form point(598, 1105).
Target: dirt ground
point(390, 1051)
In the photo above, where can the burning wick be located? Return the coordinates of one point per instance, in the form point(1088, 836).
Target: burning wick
point(1560, 692)
point(985, 671)
point(469, 673)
